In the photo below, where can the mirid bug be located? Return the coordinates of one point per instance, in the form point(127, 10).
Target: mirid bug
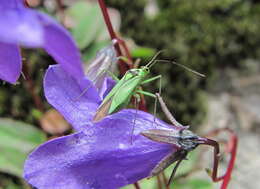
point(130, 85)
point(185, 141)
point(125, 88)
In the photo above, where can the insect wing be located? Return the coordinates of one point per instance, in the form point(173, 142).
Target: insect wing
point(102, 111)
point(105, 107)
point(163, 135)
point(124, 93)
point(116, 88)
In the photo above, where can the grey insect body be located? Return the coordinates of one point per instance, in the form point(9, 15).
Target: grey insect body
point(183, 139)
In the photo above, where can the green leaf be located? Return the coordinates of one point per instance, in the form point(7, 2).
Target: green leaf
point(88, 22)
point(193, 184)
point(17, 139)
point(143, 52)
point(13, 186)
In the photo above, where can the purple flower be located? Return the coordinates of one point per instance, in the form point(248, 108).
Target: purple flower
point(100, 156)
point(76, 99)
point(107, 154)
point(22, 26)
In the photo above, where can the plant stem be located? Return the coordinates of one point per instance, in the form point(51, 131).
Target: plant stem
point(122, 65)
point(29, 85)
point(137, 186)
point(165, 181)
point(26, 3)
point(233, 151)
point(159, 182)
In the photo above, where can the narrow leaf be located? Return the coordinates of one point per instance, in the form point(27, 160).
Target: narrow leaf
point(17, 139)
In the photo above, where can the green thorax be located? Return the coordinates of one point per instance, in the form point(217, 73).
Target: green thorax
point(125, 88)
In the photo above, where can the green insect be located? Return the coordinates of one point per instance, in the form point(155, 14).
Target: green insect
point(130, 85)
point(125, 88)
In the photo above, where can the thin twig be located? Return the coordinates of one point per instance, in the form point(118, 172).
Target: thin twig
point(26, 3)
point(137, 186)
point(159, 182)
point(165, 181)
point(233, 150)
point(122, 65)
point(30, 86)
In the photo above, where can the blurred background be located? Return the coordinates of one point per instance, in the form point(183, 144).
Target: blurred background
point(219, 38)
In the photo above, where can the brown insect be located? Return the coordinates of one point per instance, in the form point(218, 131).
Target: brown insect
point(184, 139)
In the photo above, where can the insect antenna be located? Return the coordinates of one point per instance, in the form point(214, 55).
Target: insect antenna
point(151, 62)
point(181, 65)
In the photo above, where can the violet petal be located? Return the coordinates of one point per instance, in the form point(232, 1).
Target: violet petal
point(10, 62)
point(101, 156)
point(76, 100)
point(11, 3)
point(60, 45)
point(20, 26)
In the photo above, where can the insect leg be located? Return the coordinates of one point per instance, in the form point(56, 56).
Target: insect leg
point(85, 90)
point(151, 79)
point(160, 88)
point(136, 101)
point(182, 157)
point(82, 93)
point(155, 112)
point(167, 112)
point(155, 102)
point(112, 75)
point(215, 145)
point(146, 93)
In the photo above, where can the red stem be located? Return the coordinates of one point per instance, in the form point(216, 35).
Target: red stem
point(26, 3)
point(233, 151)
point(107, 20)
point(29, 85)
point(122, 65)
